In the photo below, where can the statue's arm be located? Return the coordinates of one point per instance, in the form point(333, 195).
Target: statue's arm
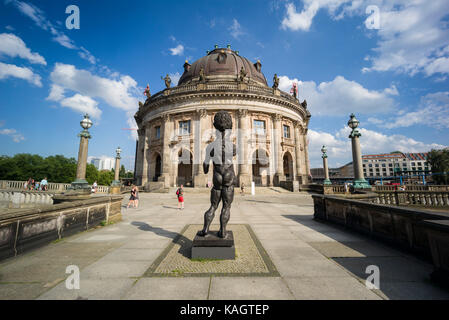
point(209, 154)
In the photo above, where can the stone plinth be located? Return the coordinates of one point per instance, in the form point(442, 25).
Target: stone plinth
point(115, 190)
point(213, 247)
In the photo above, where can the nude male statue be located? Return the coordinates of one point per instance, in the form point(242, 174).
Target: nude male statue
point(221, 151)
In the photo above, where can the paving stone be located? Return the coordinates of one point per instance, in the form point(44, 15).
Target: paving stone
point(169, 289)
point(239, 288)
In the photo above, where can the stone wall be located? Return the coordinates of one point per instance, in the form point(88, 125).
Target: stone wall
point(398, 225)
point(25, 229)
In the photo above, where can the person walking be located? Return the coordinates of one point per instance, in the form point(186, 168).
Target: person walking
point(136, 197)
point(132, 198)
point(242, 189)
point(44, 184)
point(180, 194)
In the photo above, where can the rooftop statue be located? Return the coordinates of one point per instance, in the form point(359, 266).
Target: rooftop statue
point(221, 151)
point(167, 81)
point(275, 81)
point(147, 91)
point(202, 75)
point(242, 75)
point(294, 90)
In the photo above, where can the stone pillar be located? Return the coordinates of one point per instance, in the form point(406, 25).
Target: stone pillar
point(145, 156)
point(82, 158)
point(279, 175)
point(306, 157)
point(117, 169)
point(139, 156)
point(167, 130)
point(325, 166)
point(359, 180)
point(199, 178)
point(243, 157)
point(116, 185)
point(299, 160)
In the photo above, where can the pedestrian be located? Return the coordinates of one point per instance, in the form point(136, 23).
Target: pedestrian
point(136, 197)
point(36, 186)
point(32, 185)
point(44, 184)
point(28, 184)
point(180, 194)
point(132, 198)
point(242, 188)
point(94, 187)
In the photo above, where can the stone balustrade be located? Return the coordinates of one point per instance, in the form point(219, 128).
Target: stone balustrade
point(413, 187)
point(24, 229)
point(25, 198)
point(52, 186)
point(418, 198)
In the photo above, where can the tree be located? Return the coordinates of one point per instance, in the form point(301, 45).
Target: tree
point(122, 172)
point(439, 161)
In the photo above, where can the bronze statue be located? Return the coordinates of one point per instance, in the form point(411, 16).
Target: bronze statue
point(167, 81)
point(242, 75)
point(147, 91)
point(275, 81)
point(221, 151)
point(202, 75)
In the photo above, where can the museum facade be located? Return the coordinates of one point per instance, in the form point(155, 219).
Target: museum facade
point(176, 124)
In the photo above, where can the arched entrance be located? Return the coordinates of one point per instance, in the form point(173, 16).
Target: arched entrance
point(185, 166)
point(261, 166)
point(158, 167)
point(288, 166)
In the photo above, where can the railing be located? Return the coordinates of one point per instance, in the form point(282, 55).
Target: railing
point(420, 198)
point(413, 187)
point(52, 186)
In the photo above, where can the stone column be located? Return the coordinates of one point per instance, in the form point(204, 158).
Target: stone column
point(167, 130)
point(199, 178)
point(299, 159)
point(279, 175)
point(325, 167)
point(115, 186)
point(139, 156)
point(117, 168)
point(82, 158)
point(244, 159)
point(145, 156)
point(306, 157)
point(359, 180)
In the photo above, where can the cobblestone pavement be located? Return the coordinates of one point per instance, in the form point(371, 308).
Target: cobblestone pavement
point(314, 260)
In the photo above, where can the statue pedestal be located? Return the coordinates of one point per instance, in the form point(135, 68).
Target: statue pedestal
point(213, 247)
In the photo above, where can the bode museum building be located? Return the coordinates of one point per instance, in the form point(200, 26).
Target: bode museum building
point(175, 126)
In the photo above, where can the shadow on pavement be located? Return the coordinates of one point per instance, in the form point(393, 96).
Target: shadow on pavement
point(185, 243)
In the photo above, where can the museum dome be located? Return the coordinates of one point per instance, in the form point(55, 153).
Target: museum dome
point(222, 64)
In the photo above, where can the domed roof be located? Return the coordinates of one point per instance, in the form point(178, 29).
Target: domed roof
point(222, 63)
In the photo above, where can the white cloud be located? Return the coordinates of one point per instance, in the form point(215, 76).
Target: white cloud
point(56, 93)
point(11, 70)
point(10, 28)
point(236, 29)
point(432, 112)
point(13, 46)
point(413, 35)
point(39, 18)
point(372, 142)
point(83, 104)
point(341, 96)
point(16, 136)
point(178, 50)
point(116, 93)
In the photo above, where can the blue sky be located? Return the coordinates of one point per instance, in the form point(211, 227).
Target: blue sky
point(393, 78)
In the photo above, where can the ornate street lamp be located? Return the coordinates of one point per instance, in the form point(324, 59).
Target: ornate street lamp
point(116, 182)
point(359, 180)
point(325, 166)
point(80, 184)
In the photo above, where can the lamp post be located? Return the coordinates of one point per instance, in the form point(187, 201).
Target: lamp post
point(80, 183)
point(325, 166)
point(115, 186)
point(359, 180)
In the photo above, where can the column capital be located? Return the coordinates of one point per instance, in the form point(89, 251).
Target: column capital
point(276, 117)
point(166, 117)
point(242, 113)
point(201, 113)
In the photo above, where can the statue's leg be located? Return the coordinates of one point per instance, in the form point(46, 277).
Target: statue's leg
point(210, 214)
point(227, 194)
